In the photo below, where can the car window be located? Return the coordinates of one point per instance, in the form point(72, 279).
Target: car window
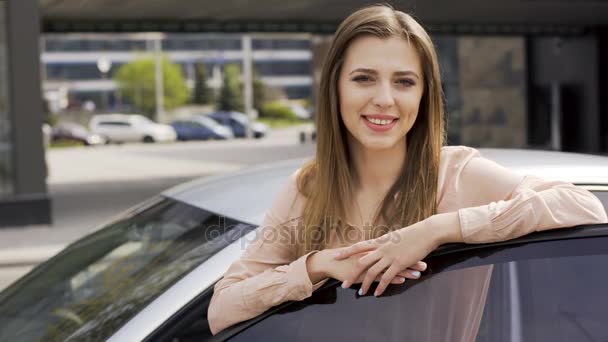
point(543, 291)
point(114, 123)
point(603, 197)
point(97, 284)
point(206, 121)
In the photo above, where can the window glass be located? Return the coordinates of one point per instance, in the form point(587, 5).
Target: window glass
point(114, 123)
point(546, 291)
point(91, 289)
point(603, 197)
point(6, 147)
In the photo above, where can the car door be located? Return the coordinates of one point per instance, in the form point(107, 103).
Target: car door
point(548, 286)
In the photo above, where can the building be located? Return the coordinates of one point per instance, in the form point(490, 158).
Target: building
point(70, 62)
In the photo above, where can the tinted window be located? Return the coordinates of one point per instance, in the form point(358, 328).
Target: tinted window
point(114, 123)
point(603, 196)
point(545, 291)
point(91, 289)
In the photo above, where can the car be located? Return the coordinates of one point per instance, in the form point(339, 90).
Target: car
point(238, 122)
point(200, 127)
point(149, 275)
point(121, 128)
point(73, 132)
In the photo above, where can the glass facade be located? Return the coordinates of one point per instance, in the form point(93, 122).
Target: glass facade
point(67, 45)
point(77, 71)
point(6, 174)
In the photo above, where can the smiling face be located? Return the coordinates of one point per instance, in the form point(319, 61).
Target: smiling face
point(380, 88)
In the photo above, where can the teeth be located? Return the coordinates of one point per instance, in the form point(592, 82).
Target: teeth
point(378, 121)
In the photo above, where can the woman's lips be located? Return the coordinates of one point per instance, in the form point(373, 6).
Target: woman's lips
point(379, 128)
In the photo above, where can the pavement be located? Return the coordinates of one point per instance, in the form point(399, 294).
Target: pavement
point(89, 186)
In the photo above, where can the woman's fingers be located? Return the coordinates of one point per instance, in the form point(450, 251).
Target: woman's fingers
point(419, 266)
point(386, 279)
point(373, 272)
point(410, 274)
point(359, 268)
point(359, 247)
point(396, 281)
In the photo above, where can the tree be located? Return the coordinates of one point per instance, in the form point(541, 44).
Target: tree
point(231, 94)
point(202, 93)
point(136, 81)
point(259, 92)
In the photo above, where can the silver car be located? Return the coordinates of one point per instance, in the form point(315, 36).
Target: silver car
point(149, 275)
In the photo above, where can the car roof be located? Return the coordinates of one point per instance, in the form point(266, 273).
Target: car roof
point(116, 116)
point(246, 195)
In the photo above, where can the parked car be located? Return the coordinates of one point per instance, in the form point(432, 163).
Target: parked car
point(73, 132)
point(149, 275)
point(238, 122)
point(120, 128)
point(200, 127)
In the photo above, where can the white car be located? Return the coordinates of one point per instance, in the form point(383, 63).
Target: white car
point(149, 275)
point(119, 128)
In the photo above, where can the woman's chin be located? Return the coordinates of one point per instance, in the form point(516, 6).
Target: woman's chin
point(379, 144)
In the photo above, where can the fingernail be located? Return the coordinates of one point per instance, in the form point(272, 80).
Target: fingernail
point(376, 294)
point(424, 266)
point(416, 274)
point(345, 285)
point(360, 292)
point(337, 254)
point(402, 280)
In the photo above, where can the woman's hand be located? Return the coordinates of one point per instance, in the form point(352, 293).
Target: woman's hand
point(341, 269)
point(391, 254)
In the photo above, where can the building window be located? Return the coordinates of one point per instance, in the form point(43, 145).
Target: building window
point(6, 167)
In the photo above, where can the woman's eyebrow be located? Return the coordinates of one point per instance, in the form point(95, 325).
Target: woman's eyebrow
point(397, 73)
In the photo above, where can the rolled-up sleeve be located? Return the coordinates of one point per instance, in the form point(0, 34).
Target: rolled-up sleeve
point(269, 271)
point(497, 204)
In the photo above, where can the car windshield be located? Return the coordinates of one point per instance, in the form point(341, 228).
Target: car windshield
point(542, 291)
point(240, 117)
point(97, 284)
point(142, 120)
point(207, 121)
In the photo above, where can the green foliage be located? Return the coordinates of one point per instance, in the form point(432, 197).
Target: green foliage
point(202, 93)
point(231, 95)
point(136, 81)
point(259, 92)
point(277, 110)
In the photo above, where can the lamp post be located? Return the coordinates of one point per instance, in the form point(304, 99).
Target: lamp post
point(104, 65)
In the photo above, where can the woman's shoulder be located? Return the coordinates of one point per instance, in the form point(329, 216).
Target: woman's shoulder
point(452, 161)
point(451, 154)
point(289, 202)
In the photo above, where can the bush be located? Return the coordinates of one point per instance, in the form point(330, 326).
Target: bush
point(276, 110)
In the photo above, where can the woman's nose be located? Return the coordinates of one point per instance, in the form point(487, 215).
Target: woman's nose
point(383, 96)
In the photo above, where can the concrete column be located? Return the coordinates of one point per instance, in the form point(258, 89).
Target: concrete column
point(30, 203)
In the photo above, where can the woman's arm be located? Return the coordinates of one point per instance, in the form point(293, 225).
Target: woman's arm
point(480, 202)
point(496, 204)
point(269, 271)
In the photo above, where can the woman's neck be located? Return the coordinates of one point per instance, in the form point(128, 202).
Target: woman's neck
point(375, 171)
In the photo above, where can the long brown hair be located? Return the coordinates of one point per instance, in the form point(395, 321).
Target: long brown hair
point(326, 181)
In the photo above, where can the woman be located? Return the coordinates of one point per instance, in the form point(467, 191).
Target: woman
point(383, 192)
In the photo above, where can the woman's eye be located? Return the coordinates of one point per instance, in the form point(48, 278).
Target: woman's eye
point(406, 82)
point(362, 78)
